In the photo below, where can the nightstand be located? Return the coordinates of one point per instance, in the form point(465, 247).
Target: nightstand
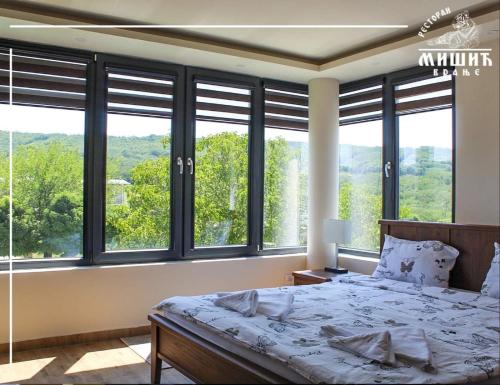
point(311, 277)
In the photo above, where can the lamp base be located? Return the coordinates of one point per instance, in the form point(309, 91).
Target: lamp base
point(336, 270)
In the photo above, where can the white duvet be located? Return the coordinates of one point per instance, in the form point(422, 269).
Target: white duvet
point(462, 329)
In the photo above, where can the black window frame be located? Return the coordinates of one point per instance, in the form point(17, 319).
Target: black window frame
point(179, 248)
point(53, 52)
point(390, 139)
point(194, 75)
point(138, 67)
point(291, 87)
point(95, 159)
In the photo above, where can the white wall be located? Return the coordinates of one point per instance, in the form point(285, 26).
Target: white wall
point(76, 300)
point(477, 145)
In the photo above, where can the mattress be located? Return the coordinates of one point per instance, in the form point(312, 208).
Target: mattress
point(462, 329)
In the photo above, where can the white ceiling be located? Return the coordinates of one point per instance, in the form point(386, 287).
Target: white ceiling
point(315, 43)
point(312, 43)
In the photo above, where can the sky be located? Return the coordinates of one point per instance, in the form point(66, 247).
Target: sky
point(416, 130)
point(432, 128)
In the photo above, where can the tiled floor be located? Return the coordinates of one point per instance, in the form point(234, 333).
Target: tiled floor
point(93, 363)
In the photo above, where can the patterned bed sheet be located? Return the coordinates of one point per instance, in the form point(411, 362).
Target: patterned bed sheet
point(462, 329)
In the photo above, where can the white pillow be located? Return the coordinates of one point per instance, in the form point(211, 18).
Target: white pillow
point(426, 263)
point(491, 285)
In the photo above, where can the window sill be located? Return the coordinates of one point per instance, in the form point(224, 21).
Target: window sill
point(151, 264)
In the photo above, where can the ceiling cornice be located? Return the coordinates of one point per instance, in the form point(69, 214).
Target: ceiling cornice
point(50, 15)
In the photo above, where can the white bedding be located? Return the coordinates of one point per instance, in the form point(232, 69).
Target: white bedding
point(462, 329)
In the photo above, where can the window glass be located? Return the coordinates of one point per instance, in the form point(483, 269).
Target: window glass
point(48, 123)
point(138, 165)
point(221, 169)
point(360, 190)
point(425, 166)
point(285, 188)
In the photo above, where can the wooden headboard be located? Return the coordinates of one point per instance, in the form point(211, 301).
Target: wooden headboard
point(475, 243)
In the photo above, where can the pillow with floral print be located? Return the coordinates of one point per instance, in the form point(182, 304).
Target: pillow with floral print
point(491, 285)
point(425, 263)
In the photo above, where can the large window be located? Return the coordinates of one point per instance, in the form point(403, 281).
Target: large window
point(47, 119)
point(286, 168)
point(120, 160)
point(396, 152)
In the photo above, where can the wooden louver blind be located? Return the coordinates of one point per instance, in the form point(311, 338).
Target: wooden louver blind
point(286, 109)
point(139, 95)
point(224, 104)
point(361, 104)
point(42, 82)
point(425, 95)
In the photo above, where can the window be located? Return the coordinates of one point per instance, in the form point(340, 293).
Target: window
point(360, 179)
point(137, 203)
point(425, 132)
point(286, 167)
point(138, 168)
point(47, 117)
point(396, 152)
point(123, 160)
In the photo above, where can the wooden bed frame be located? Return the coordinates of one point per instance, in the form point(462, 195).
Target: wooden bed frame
point(204, 362)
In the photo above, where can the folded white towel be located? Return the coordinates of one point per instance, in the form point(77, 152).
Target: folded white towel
point(408, 344)
point(375, 346)
point(276, 306)
point(244, 302)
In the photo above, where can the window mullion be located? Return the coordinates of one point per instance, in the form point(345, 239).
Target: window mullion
point(390, 150)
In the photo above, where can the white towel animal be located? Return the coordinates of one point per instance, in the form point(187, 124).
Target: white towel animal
point(375, 346)
point(408, 344)
point(244, 302)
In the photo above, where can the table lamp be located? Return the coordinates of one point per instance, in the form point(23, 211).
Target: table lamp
point(336, 231)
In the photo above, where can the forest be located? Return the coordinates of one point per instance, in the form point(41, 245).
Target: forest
point(48, 192)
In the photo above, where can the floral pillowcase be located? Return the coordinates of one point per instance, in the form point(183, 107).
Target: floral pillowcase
point(426, 263)
point(491, 285)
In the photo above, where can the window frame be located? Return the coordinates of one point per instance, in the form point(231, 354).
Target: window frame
point(390, 138)
point(137, 66)
point(194, 75)
point(94, 160)
point(53, 52)
point(285, 86)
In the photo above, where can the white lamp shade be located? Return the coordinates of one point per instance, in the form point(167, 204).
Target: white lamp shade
point(336, 231)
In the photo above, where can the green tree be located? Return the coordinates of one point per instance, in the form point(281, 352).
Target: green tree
point(144, 221)
point(48, 201)
point(221, 190)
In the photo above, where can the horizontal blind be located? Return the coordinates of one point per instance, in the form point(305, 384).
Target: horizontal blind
point(43, 82)
point(424, 95)
point(224, 104)
point(360, 104)
point(139, 95)
point(286, 109)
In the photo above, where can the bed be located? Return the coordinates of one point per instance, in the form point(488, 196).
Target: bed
point(214, 345)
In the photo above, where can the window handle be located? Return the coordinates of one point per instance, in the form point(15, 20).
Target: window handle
point(387, 169)
point(180, 163)
point(190, 164)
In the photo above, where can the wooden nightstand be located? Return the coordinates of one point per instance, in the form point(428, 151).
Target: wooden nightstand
point(311, 277)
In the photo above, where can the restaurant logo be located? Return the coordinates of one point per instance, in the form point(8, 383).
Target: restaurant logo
point(457, 48)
